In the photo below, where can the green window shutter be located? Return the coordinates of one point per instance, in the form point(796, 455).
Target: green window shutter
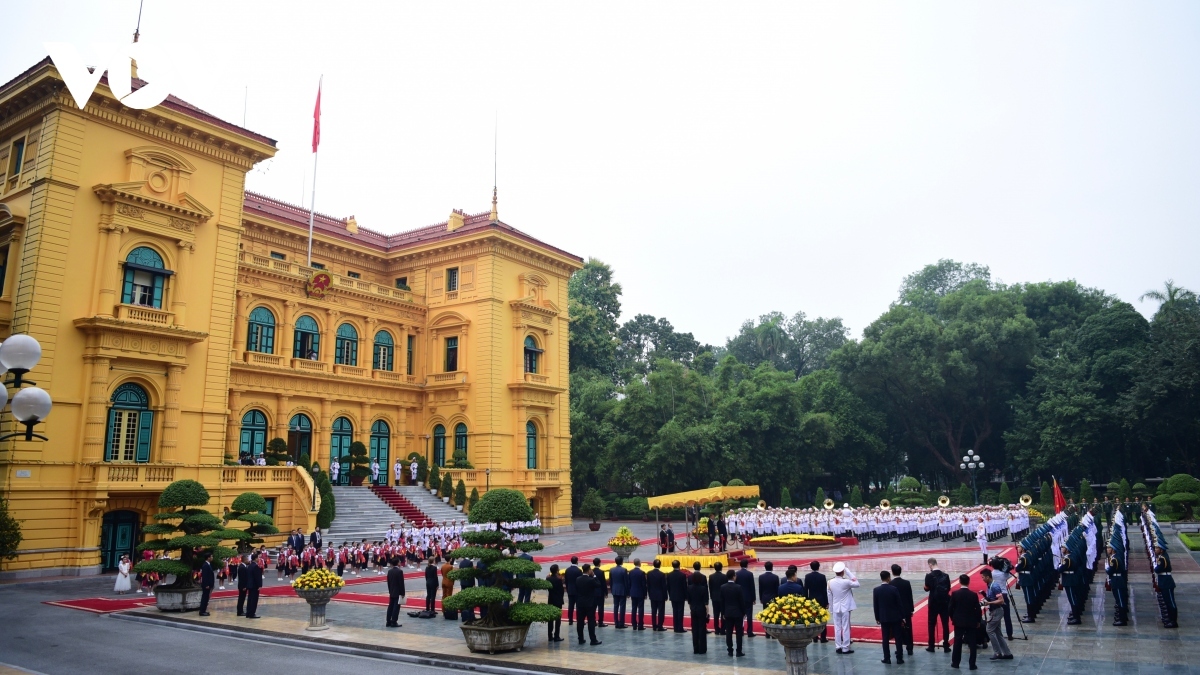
point(268, 340)
point(158, 290)
point(127, 291)
point(108, 437)
point(145, 426)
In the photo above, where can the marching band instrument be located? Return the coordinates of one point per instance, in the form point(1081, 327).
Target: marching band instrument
point(943, 501)
point(762, 504)
point(1026, 500)
point(885, 504)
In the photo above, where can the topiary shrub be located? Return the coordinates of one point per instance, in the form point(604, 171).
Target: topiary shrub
point(736, 482)
point(328, 509)
point(1179, 493)
point(198, 532)
point(715, 484)
point(277, 452)
point(1123, 490)
point(1047, 494)
point(359, 463)
point(785, 498)
point(963, 496)
point(249, 508)
point(306, 462)
point(500, 507)
point(856, 498)
point(435, 478)
point(1112, 488)
point(10, 533)
point(473, 499)
point(593, 505)
point(910, 484)
point(819, 502)
point(447, 485)
point(1005, 497)
point(460, 494)
point(1140, 489)
point(1085, 491)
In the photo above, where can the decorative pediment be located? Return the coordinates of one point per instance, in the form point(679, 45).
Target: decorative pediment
point(129, 204)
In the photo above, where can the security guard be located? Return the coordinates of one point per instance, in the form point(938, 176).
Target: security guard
point(1166, 586)
point(1070, 572)
point(1118, 584)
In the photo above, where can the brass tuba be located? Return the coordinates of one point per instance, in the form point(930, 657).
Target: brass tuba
point(762, 504)
point(828, 504)
point(885, 504)
point(943, 501)
point(1026, 500)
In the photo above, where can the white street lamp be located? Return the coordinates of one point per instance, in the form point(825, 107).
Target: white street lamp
point(18, 355)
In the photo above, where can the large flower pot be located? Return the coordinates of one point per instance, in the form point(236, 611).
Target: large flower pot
point(172, 600)
point(492, 640)
point(594, 527)
point(317, 599)
point(795, 641)
point(623, 551)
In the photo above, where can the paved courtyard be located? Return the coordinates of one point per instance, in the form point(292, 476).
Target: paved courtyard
point(51, 639)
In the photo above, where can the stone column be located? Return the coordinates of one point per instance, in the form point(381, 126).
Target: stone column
point(107, 270)
point(329, 339)
point(281, 416)
point(321, 445)
point(170, 438)
point(181, 280)
point(97, 409)
point(241, 324)
point(364, 433)
point(11, 271)
point(400, 433)
point(431, 364)
point(286, 333)
point(462, 349)
point(232, 441)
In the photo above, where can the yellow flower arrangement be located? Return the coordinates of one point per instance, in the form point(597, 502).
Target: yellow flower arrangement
point(1034, 513)
point(793, 610)
point(624, 537)
point(318, 580)
point(791, 539)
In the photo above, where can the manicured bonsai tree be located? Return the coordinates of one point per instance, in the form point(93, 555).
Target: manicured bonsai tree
point(1112, 489)
point(359, 464)
point(460, 494)
point(593, 505)
point(277, 452)
point(197, 531)
point(1005, 494)
point(474, 499)
point(1140, 489)
point(736, 482)
point(856, 498)
point(1180, 493)
point(715, 484)
point(249, 508)
point(785, 498)
point(459, 459)
point(910, 491)
point(490, 547)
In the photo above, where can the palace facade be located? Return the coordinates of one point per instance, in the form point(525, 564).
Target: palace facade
point(182, 328)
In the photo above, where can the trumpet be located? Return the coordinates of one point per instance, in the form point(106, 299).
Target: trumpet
point(828, 504)
point(885, 504)
point(762, 504)
point(943, 501)
point(1026, 500)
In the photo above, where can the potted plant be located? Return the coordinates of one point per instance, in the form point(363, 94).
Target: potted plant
point(473, 499)
point(435, 480)
point(624, 543)
point(794, 621)
point(358, 463)
point(460, 495)
point(249, 508)
point(506, 624)
point(277, 452)
point(446, 488)
point(317, 586)
point(592, 507)
point(198, 531)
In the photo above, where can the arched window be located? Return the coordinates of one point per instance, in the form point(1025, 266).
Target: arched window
point(307, 344)
point(261, 335)
point(145, 276)
point(346, 348)
point(460, 443)
point(130, 423)
point(439, 445)
point(531, 354)
point(530, 445)
point(339, 447)
point(381, 442)
point(254, 434)
point(385, 351)
point(300, 436)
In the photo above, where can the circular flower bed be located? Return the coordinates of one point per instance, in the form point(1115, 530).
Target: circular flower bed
point(792, 541)
point(318, 580)
point(793, 610)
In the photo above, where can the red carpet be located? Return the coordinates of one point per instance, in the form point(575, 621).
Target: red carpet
point(400, 505)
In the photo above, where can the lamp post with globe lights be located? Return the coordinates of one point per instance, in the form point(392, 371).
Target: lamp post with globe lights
point(973, 464)
point(30, 404)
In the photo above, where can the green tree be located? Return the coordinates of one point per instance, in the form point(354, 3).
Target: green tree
point(736, 482)
point(435, 478)
point(1046, 496)
point(447, 486)
point(1123, 490)
point(460, 493)
point(819, 500)
point(963, 496)
point(10, 533)
point(797, 344)
point(646, 340)
point(1005, 496)
point(250, 507)
point(473, 499)
point(500, 507)
point(785, 499)
point(594, 304)
point(593, 505)
point(197, 531)
point(856, 497)
point(1180, 492)
point(277, 452)
point(358, 460)
point(715, 484)
point(925, 289)
point(328, 509)
point(1085, 491)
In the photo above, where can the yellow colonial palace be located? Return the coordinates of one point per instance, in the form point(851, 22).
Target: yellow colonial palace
point(182, 329)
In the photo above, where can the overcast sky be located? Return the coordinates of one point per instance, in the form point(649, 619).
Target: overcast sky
point(727, 159)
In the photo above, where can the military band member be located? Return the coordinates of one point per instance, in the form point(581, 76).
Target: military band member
point(1072, 582)
point(1119, 586)
point(1166, 586)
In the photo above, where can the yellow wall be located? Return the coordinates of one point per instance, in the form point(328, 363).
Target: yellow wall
point(98, 182)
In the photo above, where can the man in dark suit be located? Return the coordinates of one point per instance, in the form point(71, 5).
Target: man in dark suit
point(722, 532)
point(619, 580)
point(207, 581)
point(395, 582)
point(296, 541)
point(253, 584)
point(906, 609)
point(525, 594)
point(468, 614)
point(662, 539)
point(768, 585)
point(570, 576)
point(637, 593)
point(656, 590)
point(964, 612)
point(586, 590)
point(791, 584)
point(888, 615)
point(715, 582)
point(314, 539)
point(431, 586)
point(677, 593)
point(816, 587)
point(733, 604)
point(745, 579)
point(670, 539)
point(243, 585)
point(937, 583)
point(601, 592)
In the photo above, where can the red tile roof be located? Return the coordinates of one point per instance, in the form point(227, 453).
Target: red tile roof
point(297, 216)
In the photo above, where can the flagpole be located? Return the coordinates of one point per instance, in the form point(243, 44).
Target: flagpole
point(316, 143)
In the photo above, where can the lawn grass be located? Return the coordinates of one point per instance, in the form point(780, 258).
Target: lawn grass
point(1192, 541)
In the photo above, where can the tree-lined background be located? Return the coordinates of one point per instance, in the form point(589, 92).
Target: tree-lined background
point(1038, 379)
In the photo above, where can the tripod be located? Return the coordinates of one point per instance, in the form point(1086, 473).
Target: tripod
point(1012, 601)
